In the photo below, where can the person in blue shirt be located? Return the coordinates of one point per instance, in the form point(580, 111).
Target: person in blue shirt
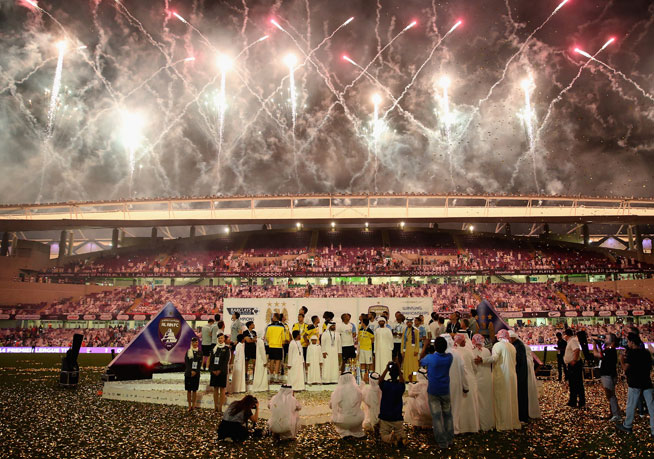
point(391, 425)
point(438, 389)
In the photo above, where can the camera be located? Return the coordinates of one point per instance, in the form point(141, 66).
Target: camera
point(599, 340)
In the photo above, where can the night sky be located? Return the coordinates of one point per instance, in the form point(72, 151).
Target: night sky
point(132, 79)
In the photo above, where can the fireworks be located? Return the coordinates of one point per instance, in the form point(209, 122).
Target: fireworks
point(224, 64)
point(444, 82)
point(56, 85)
point(617, 72)
point(528, 116)
point(258, 106)
point(131, 136)
point(290, 60)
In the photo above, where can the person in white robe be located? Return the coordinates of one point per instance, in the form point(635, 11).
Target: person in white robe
point(330, 341)
point(260, 383)
point(458, 382)
point(383, 346)
point(505, 382)
point(295, 363)
point(484, 377)
point(468, 409)
point(416, 411)
point(314, 362)
point(238, 371)
point(284, 419)
point(371, 394)
point(534, 407)
point(345, 404)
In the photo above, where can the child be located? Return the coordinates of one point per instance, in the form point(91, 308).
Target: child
point(314, 361)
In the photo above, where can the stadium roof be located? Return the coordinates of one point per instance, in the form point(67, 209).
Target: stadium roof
point(317, 208)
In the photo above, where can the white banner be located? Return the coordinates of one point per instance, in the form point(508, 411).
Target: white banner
point(260, 310)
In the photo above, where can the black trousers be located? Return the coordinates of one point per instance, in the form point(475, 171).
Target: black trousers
point(576, 379)
point(561, 367)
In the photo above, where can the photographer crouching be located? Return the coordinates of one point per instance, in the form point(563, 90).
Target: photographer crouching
point(604, 350)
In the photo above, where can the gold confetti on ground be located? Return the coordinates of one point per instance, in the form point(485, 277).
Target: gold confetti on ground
point(40, 420)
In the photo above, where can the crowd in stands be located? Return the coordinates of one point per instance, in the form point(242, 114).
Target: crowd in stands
point(349, 252)
point(550, 296)
point(63, 337)
point(546, 334)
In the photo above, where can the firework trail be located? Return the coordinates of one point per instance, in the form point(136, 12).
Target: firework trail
point(529, 118)
point(281, 85)
point(447, 124)
point(28, 76)
point(506, 67)
point(567, 88)
point(553, 103)
point(388, 92)
point(617, 72)
point(56, 86)
point(415, 75)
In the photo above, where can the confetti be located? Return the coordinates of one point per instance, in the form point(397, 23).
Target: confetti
point(40, 419)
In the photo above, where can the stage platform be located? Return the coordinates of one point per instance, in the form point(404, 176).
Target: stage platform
point(168, 389)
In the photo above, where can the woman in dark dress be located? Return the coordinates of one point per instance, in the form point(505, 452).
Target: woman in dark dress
point(250, 337)
point(234, 425)
point(218, 366)
point(193, 360)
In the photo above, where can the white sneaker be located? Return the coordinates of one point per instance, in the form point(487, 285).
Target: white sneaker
point(615, 419)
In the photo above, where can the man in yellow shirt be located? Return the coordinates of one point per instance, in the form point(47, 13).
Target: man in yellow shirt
point(366, 338)
point(275, 336)
point(302, 328)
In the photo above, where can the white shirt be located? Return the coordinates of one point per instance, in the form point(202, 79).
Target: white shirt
point(346, 331)
point(398, 331)
point(436, 329)
point(573, 345)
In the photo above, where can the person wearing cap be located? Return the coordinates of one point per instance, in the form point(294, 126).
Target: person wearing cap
point(505, 383)
point(284, 421)
point(410, 350)
point(371, 402)
point(391, 421)
point(484, 377)
point(193, 360)
point(345, 403)
point(383, 345)
point(314, 361)
point(330, 342)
